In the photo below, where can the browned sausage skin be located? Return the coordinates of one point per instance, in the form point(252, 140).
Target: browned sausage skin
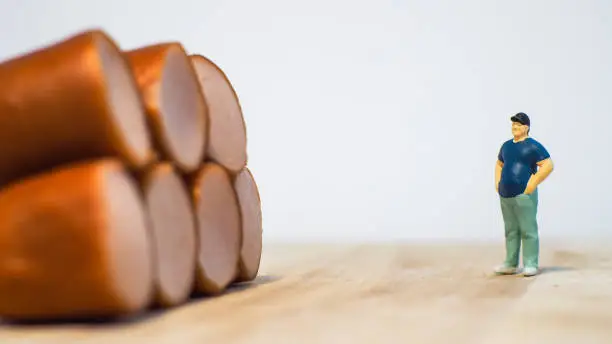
point(74, 243)
point(176, 109)
point(73, 100)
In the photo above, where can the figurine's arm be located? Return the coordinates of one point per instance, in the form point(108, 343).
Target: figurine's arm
point(545, 168)
point(498, 170)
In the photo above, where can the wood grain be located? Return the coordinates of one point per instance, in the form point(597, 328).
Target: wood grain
point(396, 293)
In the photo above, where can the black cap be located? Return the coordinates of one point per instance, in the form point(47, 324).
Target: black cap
point(521, 118)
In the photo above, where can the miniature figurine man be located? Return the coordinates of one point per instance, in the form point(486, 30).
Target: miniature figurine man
point(516, 180)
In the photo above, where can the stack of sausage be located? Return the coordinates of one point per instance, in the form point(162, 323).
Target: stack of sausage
point(123, 181)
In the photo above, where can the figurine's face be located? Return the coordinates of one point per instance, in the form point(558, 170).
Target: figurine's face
point(519, 129)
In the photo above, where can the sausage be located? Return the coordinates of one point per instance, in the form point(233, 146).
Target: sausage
point(249, 202)
point(172, 225)
point(218, 223)
point(227, 140)
point(177, 112)
point(70, 101)
point(74, 244)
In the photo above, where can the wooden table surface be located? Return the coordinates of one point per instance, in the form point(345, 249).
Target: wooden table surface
point(396, 293)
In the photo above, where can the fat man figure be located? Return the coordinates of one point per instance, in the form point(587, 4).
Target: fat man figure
point(522, 164)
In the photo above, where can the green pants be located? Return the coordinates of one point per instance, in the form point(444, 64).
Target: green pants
point(520, 223)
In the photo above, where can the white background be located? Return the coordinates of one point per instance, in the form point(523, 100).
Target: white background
point(381, 120)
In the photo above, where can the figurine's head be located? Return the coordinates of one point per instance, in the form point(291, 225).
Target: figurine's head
point(520, 124)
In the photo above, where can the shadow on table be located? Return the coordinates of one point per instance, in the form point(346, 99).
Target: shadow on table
point(542, 271)
point(259, 280)
point(551, 269)
point(145, 316)
point(236, 288)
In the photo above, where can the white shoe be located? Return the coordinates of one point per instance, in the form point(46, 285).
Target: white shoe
point(505, 270)
point(528, 272)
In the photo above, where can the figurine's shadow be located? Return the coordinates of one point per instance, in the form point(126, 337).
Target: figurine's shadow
point(542, 271)
point(149, 314)
point(554, 269)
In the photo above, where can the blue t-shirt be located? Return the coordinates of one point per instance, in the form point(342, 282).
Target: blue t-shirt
point(519, 160)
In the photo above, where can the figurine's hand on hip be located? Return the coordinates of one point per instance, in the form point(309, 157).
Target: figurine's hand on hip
point(530, 188)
